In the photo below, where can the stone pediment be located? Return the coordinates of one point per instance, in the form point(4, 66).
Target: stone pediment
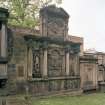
point(52, 9)
point(54, 22)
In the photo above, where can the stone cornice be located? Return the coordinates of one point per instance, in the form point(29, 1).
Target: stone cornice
point(50, 40)
point(3, 60)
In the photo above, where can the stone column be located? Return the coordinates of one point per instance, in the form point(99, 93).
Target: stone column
point(76, 65)
point(96, 74)
point(45, 63)
point(30, 63)
point(67, 62)
point(4, 41)
point(45, 60)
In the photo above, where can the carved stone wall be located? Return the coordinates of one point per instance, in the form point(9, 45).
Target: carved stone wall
point(56, 27)
point(40, 64)
point(51, 86)
point(72, 84)
point(17, 61)
point(55, 61)
point(88, 73)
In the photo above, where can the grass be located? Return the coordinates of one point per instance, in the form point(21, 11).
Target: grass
point(90, 99)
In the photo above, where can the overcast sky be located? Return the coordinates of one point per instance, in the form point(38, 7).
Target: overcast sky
point(87, 20)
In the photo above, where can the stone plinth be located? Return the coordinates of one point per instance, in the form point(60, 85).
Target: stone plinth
point(102, 86)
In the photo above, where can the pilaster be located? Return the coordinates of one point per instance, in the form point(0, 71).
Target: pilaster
point(67, 54)
point(3, 41)
point(45, 69)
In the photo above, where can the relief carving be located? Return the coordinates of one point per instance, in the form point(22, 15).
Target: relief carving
point(72, 84)
point(56, 27)
point(55, 61)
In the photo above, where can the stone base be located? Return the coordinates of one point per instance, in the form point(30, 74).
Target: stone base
point(45, 86)
point(60, 93)
point(49, 86)
point(102, 86)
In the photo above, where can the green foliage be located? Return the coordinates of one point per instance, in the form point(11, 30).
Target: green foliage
point(25, 12)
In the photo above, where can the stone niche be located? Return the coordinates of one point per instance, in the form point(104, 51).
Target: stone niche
point(55, 61)
point(54, 22)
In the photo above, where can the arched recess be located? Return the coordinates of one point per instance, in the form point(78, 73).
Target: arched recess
point(36, 73)
point(55, 61)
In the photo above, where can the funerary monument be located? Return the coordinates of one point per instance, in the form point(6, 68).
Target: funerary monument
point(45, 61)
